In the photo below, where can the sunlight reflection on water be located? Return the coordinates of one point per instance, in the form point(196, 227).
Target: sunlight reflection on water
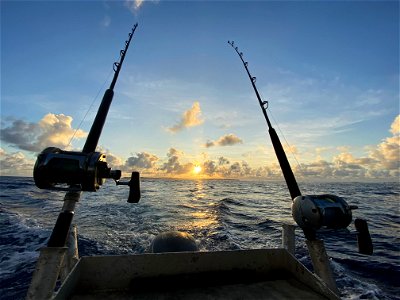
point(220, 214)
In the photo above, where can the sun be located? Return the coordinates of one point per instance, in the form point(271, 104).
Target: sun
point(196, 169)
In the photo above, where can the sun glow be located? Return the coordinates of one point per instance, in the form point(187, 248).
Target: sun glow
point(196, 169)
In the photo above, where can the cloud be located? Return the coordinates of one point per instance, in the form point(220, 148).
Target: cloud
point(290, 149)
point(133, 6)
point(221, 168)
point(53, 130)
point(387, 153)
point(173, 166)
point(106, 21)
point(15, 164)
point(226, 140)
point(21, 134)
point(395, 127)
point(209, 167)
point(115, 162)
point(190, 118)
point(319, 168)
point(142, 160)
point(381, 161)
point(223, 161)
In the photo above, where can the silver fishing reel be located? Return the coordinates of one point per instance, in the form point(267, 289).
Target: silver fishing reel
point(316, 211)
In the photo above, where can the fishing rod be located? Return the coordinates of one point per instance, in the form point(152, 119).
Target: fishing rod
point(95, 131)
point(311, 212)
point(280, 153)
point(74, 171)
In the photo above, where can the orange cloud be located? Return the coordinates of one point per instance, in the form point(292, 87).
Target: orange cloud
point(190, 118)
point(226, 140)
point(387, 153)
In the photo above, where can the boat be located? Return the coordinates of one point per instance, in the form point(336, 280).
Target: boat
point(175, 269)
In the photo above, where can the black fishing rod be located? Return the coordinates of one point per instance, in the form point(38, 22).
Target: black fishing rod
point(280, 153)
point(311, 212)
point(74, 171)
point(97, 127)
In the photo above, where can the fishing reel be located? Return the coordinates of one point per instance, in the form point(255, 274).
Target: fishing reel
point(55, 168)
point(316, 211)
point(312, 212)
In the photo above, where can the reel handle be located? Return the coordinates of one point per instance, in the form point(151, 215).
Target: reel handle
point(363, 237)
point(134, 187)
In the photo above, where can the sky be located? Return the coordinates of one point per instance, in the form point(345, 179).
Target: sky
point(183, 105)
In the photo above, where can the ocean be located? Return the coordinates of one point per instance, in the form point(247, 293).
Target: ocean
point(219, 214)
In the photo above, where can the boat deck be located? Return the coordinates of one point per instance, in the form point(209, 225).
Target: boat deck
point(243, 274)
point(267, 289)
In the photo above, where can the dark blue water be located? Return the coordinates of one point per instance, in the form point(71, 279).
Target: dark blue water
point(220, 214)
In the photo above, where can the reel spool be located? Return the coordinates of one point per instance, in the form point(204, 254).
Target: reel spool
point(316, 211)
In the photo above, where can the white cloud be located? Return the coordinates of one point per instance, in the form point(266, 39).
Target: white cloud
point(395, 127)
point(15, 164)
point(135, 5)
point(53, 130)
point(106, 21)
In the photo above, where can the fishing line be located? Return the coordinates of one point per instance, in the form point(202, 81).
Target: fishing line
point(289, 147)
point(90, 107)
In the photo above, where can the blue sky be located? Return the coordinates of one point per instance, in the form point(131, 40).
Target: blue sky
point(330, 71)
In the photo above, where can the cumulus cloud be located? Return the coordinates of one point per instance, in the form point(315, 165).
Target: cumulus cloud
point(315, 169)
point(53, 130)
point(190, 118)
point(382, 161)
point(15, 164)
point(173, 166)
point(223, 161)
point(142, 160)
point(387, 153)
point(222, 168)
point(226, 140)
point(209, 167)
point(395, 127)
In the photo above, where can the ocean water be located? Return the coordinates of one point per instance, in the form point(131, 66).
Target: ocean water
point(220, 214)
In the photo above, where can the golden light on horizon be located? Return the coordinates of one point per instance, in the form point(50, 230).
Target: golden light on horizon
point(196, 169)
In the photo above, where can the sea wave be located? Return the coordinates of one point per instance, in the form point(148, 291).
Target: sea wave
point(221, 215)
